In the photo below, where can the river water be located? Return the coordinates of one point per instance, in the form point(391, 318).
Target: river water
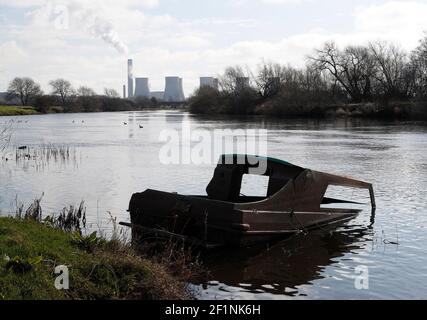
point(376, 257)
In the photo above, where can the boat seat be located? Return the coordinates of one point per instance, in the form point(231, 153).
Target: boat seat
point(226, 184)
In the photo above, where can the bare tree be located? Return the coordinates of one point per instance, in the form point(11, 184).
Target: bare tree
point(25, 89)
point(234, 79)
point(270, 79)
point(62, 88)
point(312, 79)
point(84, 91)
point(111, 93)
point(353, 69)
point(419, 68)
point(393, 77)
point(240, 96)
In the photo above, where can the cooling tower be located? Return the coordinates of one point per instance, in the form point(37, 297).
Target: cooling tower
point(174, 91)
point(181, 89)
point(209, 82)
point(130, 78)
point(141, 88)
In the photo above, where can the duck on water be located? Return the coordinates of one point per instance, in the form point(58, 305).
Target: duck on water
point(225, 217)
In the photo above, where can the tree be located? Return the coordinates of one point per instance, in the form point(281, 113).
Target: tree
point(24, 88)
point(234, 80)
point(419, 68)
point(84, 91)
point(393, 76)
point(86, 100)
point(43, 103)
point(111, 93)
point(270, 79)
point(352, 69)
point(62, 88)
point(205, 100)
point(235, 86)
point(312, 80)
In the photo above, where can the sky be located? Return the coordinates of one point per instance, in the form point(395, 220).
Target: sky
point(89, 41)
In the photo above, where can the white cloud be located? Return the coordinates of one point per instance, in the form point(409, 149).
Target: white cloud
point(270, 2)
point(284, 1)
point(400, 21)
point(10, 51)
point(166, 45)
point(22, 3)
point(93, 3)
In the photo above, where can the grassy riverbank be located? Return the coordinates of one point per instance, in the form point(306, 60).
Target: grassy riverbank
point(26, 111)
point(16, 111)
point(99, 269)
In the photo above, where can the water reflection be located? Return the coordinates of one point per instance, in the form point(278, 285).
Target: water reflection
point(285, 266)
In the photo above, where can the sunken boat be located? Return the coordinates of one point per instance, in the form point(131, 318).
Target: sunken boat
point(225, 217)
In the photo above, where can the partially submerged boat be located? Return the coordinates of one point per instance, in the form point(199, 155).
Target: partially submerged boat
point(294, 203)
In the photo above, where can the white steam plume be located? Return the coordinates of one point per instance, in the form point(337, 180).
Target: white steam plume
point(99, 26)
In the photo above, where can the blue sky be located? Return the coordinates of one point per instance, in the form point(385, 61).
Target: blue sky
point(88, 42)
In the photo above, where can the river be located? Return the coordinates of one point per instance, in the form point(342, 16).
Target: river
point(110, 156)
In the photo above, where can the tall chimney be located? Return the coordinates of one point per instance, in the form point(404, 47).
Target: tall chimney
point(124, 91)
point(130, 78)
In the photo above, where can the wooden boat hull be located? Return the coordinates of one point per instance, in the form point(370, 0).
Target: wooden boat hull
point(214, 223)
point(293, 204)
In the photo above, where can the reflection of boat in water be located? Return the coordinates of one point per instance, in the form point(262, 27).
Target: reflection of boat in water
point(285, 266)
point(293, 204)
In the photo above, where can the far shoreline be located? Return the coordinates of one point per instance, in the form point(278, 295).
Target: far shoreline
point(367, 111)
point(13, 110)
point(17, 111)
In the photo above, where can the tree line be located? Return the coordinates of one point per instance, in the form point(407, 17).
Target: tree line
point(379, 73)
point(63, 97)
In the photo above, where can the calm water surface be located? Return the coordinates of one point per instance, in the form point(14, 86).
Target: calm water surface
point(109, 161)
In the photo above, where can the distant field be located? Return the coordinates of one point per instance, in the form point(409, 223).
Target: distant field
point(16, 111)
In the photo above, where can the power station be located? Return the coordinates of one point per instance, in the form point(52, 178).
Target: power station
point(130, 78)
point(209, 82)
point(142, 88)
point(173, 92)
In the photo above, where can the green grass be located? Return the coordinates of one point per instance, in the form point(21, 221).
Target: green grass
point(100, 269)
point(16, 111)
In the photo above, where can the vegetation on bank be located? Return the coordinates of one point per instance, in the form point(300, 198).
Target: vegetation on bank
point(17, 111)
point(64, 98)
point(31, 248)
point(376, 80)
